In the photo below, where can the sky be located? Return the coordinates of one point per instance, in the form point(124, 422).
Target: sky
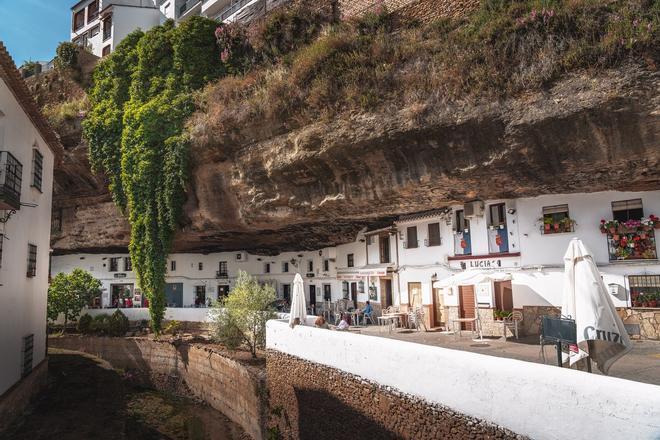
point(32, 29)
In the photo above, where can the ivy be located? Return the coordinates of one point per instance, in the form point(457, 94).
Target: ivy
point(141, 97)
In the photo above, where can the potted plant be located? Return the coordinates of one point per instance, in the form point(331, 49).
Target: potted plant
point(653, 299)
point(644, 300)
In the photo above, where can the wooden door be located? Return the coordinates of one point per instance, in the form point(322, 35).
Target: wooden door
point(438, 308)
point(466, 305)
point(415, 294)
point(354, 294)
point(503, 296)
point(385, 293)
point(384, 245)
point(312, 297)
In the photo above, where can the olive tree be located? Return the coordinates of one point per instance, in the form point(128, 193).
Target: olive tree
point(240, 319)
point(69, 293)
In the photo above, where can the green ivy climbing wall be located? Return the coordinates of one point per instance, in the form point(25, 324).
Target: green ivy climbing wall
point(141, 96)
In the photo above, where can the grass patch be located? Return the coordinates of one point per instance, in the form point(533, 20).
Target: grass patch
point(503, 49)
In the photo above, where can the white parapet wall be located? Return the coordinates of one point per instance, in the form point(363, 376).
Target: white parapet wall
point(539, 401)
point(171, 314)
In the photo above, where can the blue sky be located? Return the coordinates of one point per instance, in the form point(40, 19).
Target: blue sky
point(32, 29)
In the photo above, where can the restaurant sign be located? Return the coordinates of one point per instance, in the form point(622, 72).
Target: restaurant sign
point(120, 275)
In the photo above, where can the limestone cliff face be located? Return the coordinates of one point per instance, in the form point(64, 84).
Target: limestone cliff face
point(318, 185)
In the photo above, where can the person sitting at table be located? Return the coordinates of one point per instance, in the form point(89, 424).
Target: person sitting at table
point(321, 323)
point(343, 324)
point(367, 311)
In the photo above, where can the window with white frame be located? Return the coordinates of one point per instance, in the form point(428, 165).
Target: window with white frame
point(285, 267)
point(556, 219)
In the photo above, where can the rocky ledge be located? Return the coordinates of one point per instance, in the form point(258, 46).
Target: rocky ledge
point(318, 185)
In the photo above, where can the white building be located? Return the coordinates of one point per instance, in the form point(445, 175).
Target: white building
point(398, 265)
point(102, 24)
point(28, 150)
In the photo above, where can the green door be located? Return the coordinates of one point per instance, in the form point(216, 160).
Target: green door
point(174, 294)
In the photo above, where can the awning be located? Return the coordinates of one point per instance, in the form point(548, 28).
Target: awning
point(471, 277)
point(370, 270)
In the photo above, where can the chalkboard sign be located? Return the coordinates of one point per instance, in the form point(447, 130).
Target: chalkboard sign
point(559, 329)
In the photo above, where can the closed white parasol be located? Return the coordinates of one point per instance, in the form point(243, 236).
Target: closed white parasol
point(298, 304)
point(600, 331)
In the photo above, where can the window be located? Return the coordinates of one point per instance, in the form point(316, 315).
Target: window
point(114, 264)
point(32, 261)
point(326, 265)
point(222, 269)
point(434, 234)
point(556, 220)
point(327, 292)
point(286, 292)
point(78, 20)
point(200, 296)
point(28, 348)
point(2, 239)
point(344, 289)
point(411, 238)
point(92, 11)
point(285, 266)
point(497, 215)
point(267, 268)
point(200, 266)
point(350, 260)
point(462, 224)
point(644, 290)
point(11, 180)
point(94, 31)
point(370, 240)
point(310, 266)
point(384, 248)
point(56, 221)
point(173, 266)
point(107, 30)
point(628, 210)
point(128, 264)
point(105, 51)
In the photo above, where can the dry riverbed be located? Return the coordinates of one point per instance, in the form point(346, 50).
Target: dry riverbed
point(88, 399)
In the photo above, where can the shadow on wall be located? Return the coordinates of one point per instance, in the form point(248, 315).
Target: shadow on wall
point(319, 410)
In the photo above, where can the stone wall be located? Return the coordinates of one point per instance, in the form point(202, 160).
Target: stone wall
point(647, 319)
point(14, 401)
point(306, 398)
point(235, 389)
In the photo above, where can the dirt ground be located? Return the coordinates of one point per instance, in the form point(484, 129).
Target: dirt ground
point(641, 364)
point(87, 399)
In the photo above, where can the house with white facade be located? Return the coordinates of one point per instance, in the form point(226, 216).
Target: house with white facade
point(523, 240)
point(101, 25)
point(28, 151)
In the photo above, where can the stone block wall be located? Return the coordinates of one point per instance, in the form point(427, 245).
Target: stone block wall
point(311, 401)
point(236, 390)
point(647, 319)
point(14, 401)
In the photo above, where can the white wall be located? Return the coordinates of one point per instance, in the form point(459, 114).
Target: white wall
point(126, 19)
point(540, 401)
point(23, 299)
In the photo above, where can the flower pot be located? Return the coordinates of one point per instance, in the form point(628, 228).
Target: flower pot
point(546, 226)
point(615, 237)
point(612, 230)
point(645, 304)
point(653, 303)
point(636, 303)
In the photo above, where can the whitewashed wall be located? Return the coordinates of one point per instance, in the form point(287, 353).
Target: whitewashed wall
point(540, 401)
point(23, 299)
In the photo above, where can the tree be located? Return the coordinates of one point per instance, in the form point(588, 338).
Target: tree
point(69, 293)
point(241, 318)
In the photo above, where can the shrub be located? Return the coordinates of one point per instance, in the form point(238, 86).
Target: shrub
point(101, 324)
point(173, 327)
point(67, 56)
point(241, 318)
point(85, 324)
point(69, 293)
point(118, 324)
point(58, 114)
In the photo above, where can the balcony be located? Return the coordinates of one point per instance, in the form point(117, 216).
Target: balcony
point(232, 8)
point(190, 8)
point(632, 239)
point(221, 275)
point(10, 181)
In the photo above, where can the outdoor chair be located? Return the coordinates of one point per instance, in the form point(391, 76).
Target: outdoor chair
point(511, 322)
point(416, 318)
point(368, 316)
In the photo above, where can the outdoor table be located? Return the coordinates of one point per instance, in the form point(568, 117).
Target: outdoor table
point(389, 319)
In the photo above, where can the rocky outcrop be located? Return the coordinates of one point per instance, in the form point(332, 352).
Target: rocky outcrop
point(318, 185)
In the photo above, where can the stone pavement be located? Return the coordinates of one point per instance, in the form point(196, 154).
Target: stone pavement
point(642, 364)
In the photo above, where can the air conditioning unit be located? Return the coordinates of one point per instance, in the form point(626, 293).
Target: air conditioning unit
point(241, 256)
point(474, 209)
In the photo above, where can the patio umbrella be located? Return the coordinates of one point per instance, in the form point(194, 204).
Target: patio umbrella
point(600, 331)
point(470, 277)
point(298, 305)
